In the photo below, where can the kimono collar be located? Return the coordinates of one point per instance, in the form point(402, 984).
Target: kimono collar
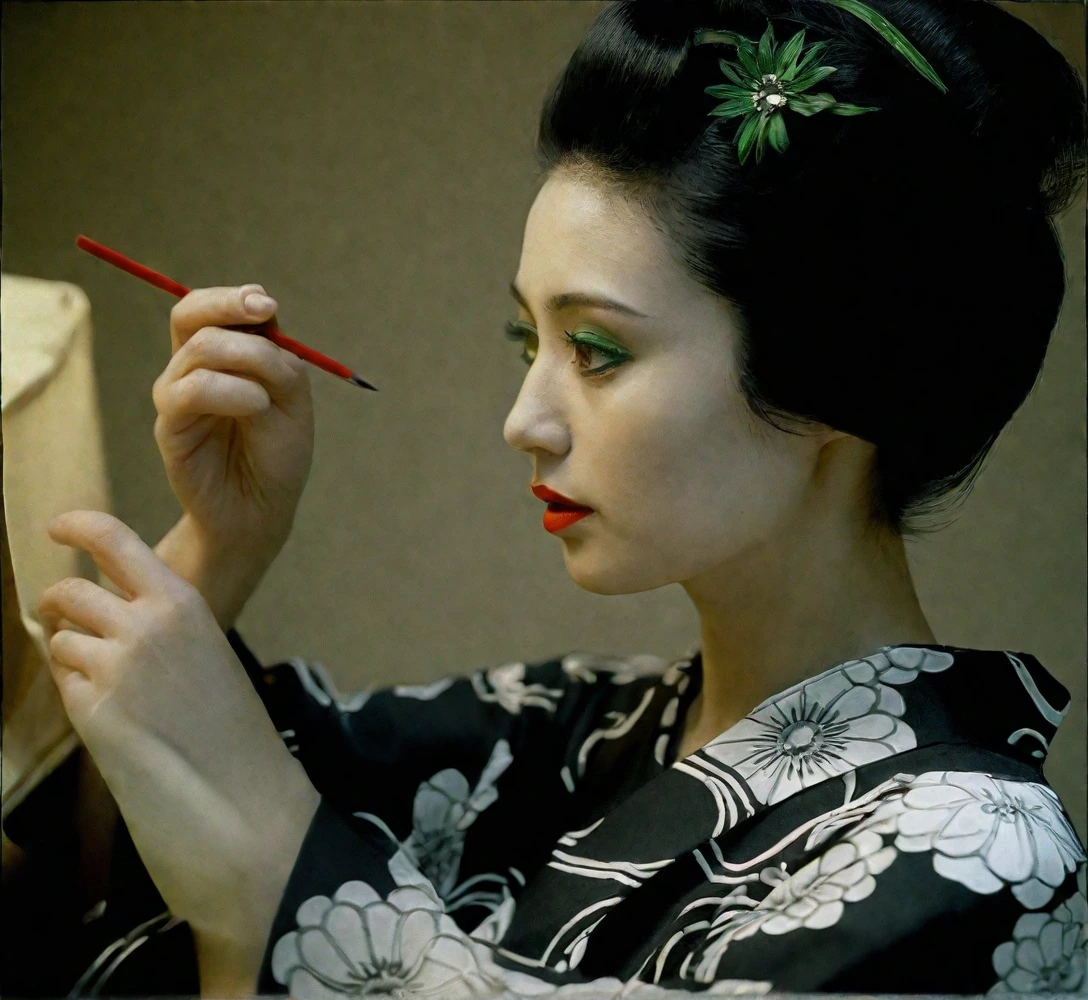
point(896, 699)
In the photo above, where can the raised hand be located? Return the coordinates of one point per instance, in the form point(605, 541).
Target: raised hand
point(215, 804)
point(235, 422)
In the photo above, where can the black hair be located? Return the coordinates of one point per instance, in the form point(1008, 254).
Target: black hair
point(897, 273)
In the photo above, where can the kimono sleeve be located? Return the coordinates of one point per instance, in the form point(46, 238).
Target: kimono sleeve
point(372, 751)
point(438, 801)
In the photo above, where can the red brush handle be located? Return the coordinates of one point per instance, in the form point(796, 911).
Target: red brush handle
point(267, 329)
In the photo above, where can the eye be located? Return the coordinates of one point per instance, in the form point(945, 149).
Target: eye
point(527, 335)
point(584, 343)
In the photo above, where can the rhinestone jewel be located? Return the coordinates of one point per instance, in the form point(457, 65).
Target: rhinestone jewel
point(771, 96)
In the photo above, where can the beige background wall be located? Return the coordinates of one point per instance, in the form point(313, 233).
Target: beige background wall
point(370, 164)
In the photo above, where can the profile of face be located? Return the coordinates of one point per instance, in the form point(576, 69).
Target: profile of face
point(683, 478)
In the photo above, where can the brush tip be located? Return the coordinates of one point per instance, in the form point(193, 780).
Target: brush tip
point(362, 382)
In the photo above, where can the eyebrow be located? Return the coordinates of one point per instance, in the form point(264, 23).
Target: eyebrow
point(563, 300)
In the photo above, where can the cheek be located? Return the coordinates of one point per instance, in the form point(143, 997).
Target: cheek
point(696, 482)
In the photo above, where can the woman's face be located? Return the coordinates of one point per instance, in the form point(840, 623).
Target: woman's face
point(681, 476)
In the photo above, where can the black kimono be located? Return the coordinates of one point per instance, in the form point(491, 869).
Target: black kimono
point(527, 831)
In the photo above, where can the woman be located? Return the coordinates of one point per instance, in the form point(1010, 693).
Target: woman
point(826, 303)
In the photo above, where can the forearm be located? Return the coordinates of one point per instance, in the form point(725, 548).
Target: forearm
point(225, 579)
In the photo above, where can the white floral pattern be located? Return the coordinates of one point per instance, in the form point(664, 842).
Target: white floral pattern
point(424, 692)
point(506, 686)
point(591, 667)
point(983, 832)
point(986, 833)
point(359, 944)
point(814, 897)
point(842, 719)
point(1047, 950)
point(444, 810)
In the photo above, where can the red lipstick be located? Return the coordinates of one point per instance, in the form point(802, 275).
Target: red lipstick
point(562, 511)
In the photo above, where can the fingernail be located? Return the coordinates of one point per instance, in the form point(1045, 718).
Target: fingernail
point(257, 304)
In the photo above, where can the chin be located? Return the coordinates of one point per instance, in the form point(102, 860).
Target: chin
point(608, 579)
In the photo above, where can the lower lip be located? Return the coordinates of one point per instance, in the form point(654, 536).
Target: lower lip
point(557, 518)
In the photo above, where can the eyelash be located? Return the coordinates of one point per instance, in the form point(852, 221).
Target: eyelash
point(518, 332)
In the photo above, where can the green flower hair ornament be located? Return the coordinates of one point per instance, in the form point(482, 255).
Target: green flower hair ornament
point(767, 79)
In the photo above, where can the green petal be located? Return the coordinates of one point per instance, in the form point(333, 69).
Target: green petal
point(761, 139)
point(747, 56)
point(728, 90)
point(812, 52)
point(776, 133)
point(730, 109)
point(730, 70)
point(745, 136)
point(810, 104)
point(765, 56)
point(850, 109)
point(811, 78)
point(898, 41)
point(789, 53)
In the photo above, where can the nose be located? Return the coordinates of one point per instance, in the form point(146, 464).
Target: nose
point(533, 423)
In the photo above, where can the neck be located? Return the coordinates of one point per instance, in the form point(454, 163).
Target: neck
point(794, 606)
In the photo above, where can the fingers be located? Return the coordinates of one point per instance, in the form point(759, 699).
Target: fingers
point(224, 373)
point(118, 551)
point(73, 651)
point(84, 604)
point(224, 306)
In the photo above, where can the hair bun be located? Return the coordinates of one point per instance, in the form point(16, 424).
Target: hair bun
point(926, 275)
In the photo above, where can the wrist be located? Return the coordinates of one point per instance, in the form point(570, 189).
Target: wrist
point(225, 574)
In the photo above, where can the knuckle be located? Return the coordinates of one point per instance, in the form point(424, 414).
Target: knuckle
point(193, 386)
point(199, 340)
point(182, 607)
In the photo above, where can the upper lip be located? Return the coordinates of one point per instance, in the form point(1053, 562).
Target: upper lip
point(542, 492)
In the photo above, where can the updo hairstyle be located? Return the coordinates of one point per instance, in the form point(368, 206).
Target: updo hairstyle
point(897, 273)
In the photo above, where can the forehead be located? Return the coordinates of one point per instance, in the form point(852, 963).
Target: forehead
point(578, 232)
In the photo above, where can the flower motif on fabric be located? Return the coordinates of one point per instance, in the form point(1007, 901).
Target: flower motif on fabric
point(316, 681)
point(898, 664)
point(506, 686)
point(359, 944)
point(424, 692)
point(1047, 950)
point(839, 720)
point(590, 667)
point(986, 833)
point(444, 809)
point(813, 897)
point(676, 677)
